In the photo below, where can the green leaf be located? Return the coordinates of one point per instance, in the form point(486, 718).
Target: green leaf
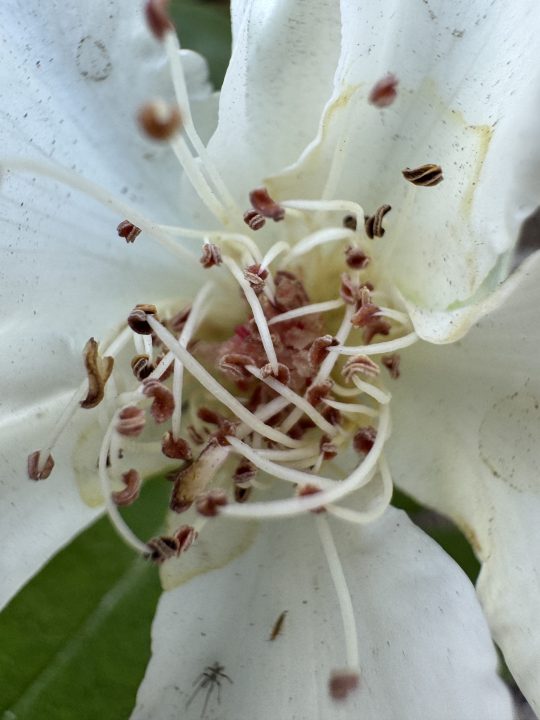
point(205, 27)
point(76, 640)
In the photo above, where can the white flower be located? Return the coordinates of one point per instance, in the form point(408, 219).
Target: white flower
point(388, 610)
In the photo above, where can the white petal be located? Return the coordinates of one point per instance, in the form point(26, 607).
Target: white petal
point(425, 651)
point(65, 274)
point(466, 429)
point(279, 77)
point(464, 70)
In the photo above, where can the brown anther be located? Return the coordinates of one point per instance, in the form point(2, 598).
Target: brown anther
point(342, 683)
point(242, 493)
point(128, 231)
point(365, 315)
point(34, 470)
point(349, 290)
point(127, 496)
point(98, 371)
point(195, 435)
point(131, 421)
point(209, 416)
point(159, 120)
point(315, 393)
point(327, 448)
point(256, 277)
point(185, 536)
point(424, 176)
point(163, 401)
point(209, 503)
point(305, 490)
point(350, 222)
point(377, 326)
point(282, 374)
point(254, 220)
point(177, 322)
point(356, 258)
point(141, 367)
point(175, 448)
point(391, 363)
point(364, 438)
point(211, 256)
point(361, 364)
point(265, 206)
point(226, 427)
point(290, 292)
point(373, 223)
point(245, 472)
point(137, 320)
point(332, 415)
point(234, 365)
point(157, 17)
point(162, 548)
point(318, 350)
point(384, 92)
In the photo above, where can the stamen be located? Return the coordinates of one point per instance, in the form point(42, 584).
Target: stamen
point(98, 370)
point(373, 223)
point(131, 421)
point(211, 255)
point(273, 252)
point(159, 121)
point(254, 220)
point(163, 401)
point(368, 516)
point(320, 237)
point(39, 470)
point(424, 176)
point(346, 206)
point(342, 591)
point(352, 408)
point(127, 496)
point(128, 231)
point(388, 346)
point(376, 393)
point(137, 318)
point(263, 204)
point(175, 447)
point(306, 310)
point(157, 17)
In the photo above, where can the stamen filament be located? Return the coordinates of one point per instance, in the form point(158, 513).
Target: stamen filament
point(392, 314)
point(346, 206)
point(351, 407)
point(368, 516)
point(217, 235)
point(376, 348)
point(276, 249)
point(307, 310)
point(320, 237)
point(373, 391)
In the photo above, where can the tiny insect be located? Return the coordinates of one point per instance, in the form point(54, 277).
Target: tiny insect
point(278, 626)
point(210, 678)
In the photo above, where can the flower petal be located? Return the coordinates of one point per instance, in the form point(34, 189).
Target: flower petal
point(280, 75)
point(66, 275)
point(466, 428)
point(419, 628)
point(464, 72)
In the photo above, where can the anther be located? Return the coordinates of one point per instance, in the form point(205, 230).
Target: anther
point(244, 473)
point(373, 223)
point(175, 448)
point(310, 490)
point(364, 439)
point(209, 503)
point(384, 92)
point(211, 256)
point(242, 493)
point(254, 220)
point(356, 258)
point(137, 319)
point(98, 370)
point(391, 363)
point(234, 365)
point(177, 322)
point(361, 364)
point(185, 536)
point(256, 277)
point(342, 683)
point(290, 292)
point(283, 374)
point(209, 416)
point(127, 496)
point(128, 231)
point(131, 421)
point(318, 350)
point(163, 401)
point(364, 315)
point(265, 206)
point(332, 415)
point(157, 17)
point(36, 471)
point(349, 289)
point(377, 326)
point(159, 120)
point(162, 548)
point(350, 222)
point(141, 367)
point(424, 176)
point(327, 448)
point(316, 393)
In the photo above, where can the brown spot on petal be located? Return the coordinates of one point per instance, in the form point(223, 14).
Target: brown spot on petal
point(127, 496)
point(342, 683)
point(163, 401)
point(98, 370)
point(34, 473)
point(327, 448)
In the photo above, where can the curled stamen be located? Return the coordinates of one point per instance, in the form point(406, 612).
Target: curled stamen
point(131, 421)
point(159, 121)
point(142, 367)
point(254, 220)
point(127, 496)
point(163, 401)
point(318, 350)
point(384, 92)
point(361, 364)
point(38, 470)
point(211, 256)
point(424, 176)
point(98, 370)
point(373, 223)
point(128, 231)
point(158, 18)
point(317, 392)
point(137, 318)
point(265, 206)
